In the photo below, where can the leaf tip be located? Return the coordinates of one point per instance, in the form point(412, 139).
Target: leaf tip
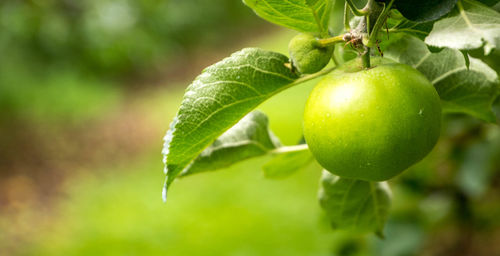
point(164, 190)
point(164, 194)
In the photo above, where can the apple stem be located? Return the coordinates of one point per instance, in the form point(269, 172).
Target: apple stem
point(326, 42)
point(365, 57)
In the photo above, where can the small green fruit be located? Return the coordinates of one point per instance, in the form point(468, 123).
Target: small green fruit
point(372, 124)
point(306, 55)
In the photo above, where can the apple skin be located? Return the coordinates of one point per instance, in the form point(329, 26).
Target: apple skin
point(372, 124)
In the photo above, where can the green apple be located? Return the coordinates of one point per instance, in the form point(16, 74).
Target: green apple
point(372, 124)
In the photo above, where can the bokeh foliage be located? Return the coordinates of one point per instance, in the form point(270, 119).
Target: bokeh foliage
point(52, 48)
point(74, 66)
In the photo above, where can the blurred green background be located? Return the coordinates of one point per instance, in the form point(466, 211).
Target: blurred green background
point(87, 90)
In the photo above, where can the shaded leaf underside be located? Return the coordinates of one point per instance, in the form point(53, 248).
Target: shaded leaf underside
point(468, 90)
point(472, 25)
point(355, 204)
point(249, 138)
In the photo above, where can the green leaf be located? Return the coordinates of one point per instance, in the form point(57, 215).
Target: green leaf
point(420, 30)
point(302, 15)
point(223, 94)
point(399, 24)
point(470, 91)
point(489, 2)
point(466, 58)
point(424, 10)
point(250, 137)
point(357, 205)
point(286, 161)
point(472, 25)
point(336, 21)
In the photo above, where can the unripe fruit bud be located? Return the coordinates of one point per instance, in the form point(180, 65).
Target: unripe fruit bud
point(306, 54)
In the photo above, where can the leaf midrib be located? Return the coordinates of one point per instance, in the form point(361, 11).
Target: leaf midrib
point(316, 18)
point(465, 17)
